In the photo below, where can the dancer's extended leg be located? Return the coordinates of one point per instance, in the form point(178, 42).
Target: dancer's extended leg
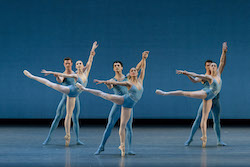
point(195, 126)
point(70, 105)
point(201, 94)
point(75, 120)
point(59, 114)
point(207, 104)
point(60, 88)
point(114, 115)
point(129, 134)
point(113, 98)
point(216, 108)
point(125, 115)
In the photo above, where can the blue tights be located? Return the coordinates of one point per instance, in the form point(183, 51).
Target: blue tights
point(59, 114)
point(216, 109)
point(114, 115)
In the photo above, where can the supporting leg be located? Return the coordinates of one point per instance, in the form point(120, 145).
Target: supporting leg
point(207, 104)
point(195, 126)
point(70, 105)
point(59, 114)
point(112, 119)
point(75, 120)
point(125, 115)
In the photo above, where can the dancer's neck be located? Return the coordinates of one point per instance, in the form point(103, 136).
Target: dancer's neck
point(68, 71)
point(119, 75)
point(133, 79)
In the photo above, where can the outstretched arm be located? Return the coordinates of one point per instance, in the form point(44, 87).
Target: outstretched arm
point(201, 76)
point(110, 86)
point(143, 66)
point(91, 56)
point(112, 82)
point(59, 74)
point(191, 78)
point(223, 58)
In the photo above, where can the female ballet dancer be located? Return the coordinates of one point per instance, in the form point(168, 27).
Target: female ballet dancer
point(71, 91)
point(128, 101)
point(207, 94)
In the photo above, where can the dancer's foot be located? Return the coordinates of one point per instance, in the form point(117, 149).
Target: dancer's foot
point(79, 142)
point(130, 152)
point(47, 141)
point(99, 150)
point(204, 141)
point(188, 142)
point(27, 73)
point(220, 143)
point(80, 86)
point(67, 140)
point(122, 148)
point(160, 92)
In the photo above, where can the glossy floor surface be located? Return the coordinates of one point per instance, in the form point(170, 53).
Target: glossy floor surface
point(154, 146)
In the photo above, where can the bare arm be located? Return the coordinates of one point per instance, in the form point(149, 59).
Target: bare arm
point(91, 56)
point(191, 78)
point(143, 66)
point(59, 79)
point(223, 58)
point(60, 74)
point(194, 79)
point(201, 76)
point(110, 86)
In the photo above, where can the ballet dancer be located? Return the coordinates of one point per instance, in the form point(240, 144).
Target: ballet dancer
point(216, 107)
point(71, 91)
point(114, 114)
point(67, 62)
point(207, 93)
point(128, 101)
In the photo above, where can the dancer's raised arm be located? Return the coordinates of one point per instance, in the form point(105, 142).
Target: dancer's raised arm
point(143, 66)
point(192, 74)
point(91, 56)
point(59, 74)
point(223, 57)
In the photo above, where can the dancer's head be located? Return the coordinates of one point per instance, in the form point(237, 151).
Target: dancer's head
point(79, 65)
point(213, 68)
point(207, 65)
point(117, 66)
point(133, 72)
point(67, 62)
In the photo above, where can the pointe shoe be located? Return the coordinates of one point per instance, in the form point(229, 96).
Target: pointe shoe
point(204, 141)
point(67, 140)
point(27, 73)
point(122, 148)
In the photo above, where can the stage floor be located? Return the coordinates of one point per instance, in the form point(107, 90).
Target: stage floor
point(154, 146)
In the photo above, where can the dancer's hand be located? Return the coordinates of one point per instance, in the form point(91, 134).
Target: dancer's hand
point(181, 72)
point(145, 54)
point(46, 72)
point(224, 47)
point(98, 81)
point(94, 46)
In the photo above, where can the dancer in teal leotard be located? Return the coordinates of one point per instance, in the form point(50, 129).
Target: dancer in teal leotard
point(128, 101)
point(71, 91)
point(207, 94)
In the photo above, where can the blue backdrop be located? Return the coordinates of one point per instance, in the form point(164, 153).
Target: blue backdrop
point(180, 34)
